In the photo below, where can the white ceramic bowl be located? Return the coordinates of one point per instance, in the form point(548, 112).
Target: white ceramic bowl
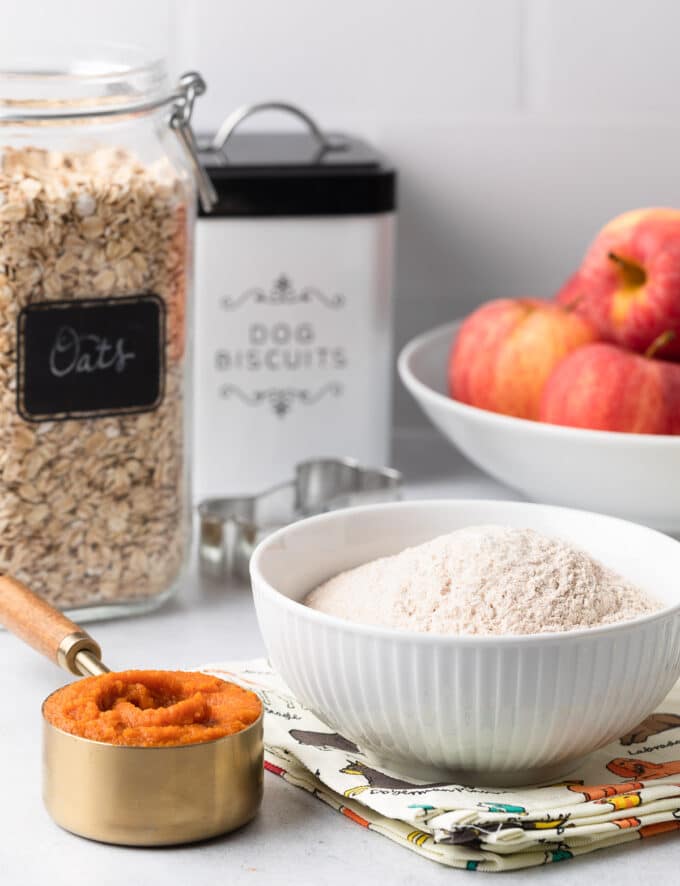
point(501, 710)
point(636, 476)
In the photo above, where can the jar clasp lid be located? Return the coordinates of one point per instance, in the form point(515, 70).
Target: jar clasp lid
point(190, 86)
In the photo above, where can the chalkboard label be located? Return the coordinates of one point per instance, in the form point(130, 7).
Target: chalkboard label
point(90, 357)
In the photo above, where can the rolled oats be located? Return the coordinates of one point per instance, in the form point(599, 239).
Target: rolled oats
point(93, 509)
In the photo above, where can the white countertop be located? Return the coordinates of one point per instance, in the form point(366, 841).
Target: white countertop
point(295, 839)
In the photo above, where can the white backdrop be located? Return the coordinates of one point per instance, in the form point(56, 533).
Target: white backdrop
point(518, 126)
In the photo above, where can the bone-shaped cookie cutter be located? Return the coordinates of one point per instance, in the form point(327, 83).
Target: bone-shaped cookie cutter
point(230, 528)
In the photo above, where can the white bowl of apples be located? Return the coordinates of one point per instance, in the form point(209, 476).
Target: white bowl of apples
point(574, 401)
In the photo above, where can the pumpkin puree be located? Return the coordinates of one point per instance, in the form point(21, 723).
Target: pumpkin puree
point(152, 708)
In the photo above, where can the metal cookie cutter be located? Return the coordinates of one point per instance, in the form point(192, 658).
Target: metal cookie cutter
point(232, 527)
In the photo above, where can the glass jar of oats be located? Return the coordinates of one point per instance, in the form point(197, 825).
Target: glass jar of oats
point(96, 221)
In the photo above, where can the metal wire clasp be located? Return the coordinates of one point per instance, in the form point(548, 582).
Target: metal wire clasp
point(189, 87)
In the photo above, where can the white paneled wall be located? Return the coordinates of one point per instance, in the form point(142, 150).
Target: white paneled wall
point(367, 64)
point(518, 126)
point(603, 57)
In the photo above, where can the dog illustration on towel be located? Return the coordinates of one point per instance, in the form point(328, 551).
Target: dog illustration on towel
point(324, 740)
point(377, 779)
point(626, 767)
point(652, 725)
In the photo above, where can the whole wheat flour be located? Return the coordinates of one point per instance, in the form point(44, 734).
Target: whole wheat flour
point(484, 580)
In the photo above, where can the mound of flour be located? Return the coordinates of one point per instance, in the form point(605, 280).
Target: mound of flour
point(483, 580)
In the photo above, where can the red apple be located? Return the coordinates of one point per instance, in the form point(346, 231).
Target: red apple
point(506, 349)
point(607, 388)
point(628, 285)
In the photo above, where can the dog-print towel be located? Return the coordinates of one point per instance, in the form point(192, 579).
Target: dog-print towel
point(627, 791)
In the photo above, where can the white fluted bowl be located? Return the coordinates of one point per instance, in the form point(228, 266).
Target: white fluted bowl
point(634, 476)
point(503, 710)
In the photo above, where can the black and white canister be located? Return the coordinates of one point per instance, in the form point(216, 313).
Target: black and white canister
point(294, 276)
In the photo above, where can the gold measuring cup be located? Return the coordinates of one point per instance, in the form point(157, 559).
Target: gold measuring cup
point(135, 796)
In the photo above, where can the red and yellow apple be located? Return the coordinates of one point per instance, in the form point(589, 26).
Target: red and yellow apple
point(604, 387)
point(628, 285)
point(506, 349)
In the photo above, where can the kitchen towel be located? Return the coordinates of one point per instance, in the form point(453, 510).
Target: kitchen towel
point(627, 791)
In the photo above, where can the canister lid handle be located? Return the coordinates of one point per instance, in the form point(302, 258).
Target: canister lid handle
point(234, 120)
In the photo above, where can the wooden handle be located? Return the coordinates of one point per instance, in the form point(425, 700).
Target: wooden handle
point(37, 623)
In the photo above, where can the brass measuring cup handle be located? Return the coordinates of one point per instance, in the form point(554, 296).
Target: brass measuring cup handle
point(47, 630)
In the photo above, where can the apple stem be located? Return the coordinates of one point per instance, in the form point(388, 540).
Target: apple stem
point(573, 304)
point(660, 342)
point(632, 274)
